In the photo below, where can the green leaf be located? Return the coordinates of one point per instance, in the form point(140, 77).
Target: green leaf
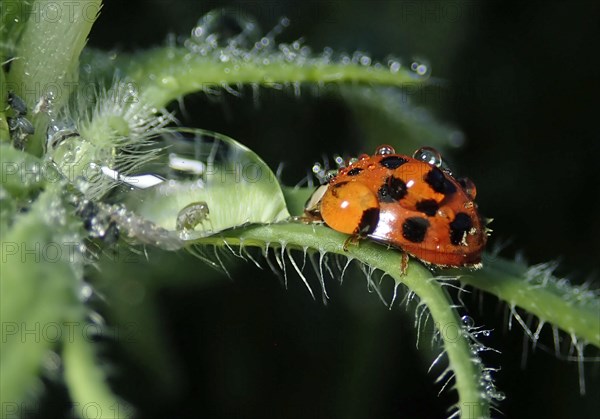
point(13, 19)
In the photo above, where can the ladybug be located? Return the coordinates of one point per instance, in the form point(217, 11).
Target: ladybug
point(413, 203)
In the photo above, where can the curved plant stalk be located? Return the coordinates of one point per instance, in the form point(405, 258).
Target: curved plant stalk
point(47, 59)
point(86, 380)
point(462, 360)
point(41, 271)
point(574, 309)
point(164, 74)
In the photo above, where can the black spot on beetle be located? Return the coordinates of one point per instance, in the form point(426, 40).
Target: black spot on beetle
point(392, 190)
point(368, 221)
point(337, 185)
point(392, 162)
point(461, 224)
point(354, 172)
point(439, 182)
point(428, 206)
point(414, 229)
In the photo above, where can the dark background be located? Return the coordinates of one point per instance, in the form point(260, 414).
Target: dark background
point(522, 85)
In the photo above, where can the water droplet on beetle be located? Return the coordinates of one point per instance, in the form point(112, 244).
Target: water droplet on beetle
point(384, 150)
point(428, 155)
point(468, 186)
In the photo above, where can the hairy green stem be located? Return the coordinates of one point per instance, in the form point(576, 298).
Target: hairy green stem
point(40, 270)
point(164, 74)
point(418, 279)
point(575, 310)
point(86, 379)
point(46, 64)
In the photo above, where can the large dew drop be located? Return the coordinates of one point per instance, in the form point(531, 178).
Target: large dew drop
point(207, 183)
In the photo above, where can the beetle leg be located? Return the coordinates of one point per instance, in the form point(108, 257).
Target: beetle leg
point(352, 240)
point(404, 264)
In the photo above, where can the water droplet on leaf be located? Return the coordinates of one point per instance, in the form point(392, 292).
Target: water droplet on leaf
point(468, 321)
point(421, 68)
point(225, 27)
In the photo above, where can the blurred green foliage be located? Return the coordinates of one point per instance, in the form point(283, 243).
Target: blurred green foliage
point(518, 91)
